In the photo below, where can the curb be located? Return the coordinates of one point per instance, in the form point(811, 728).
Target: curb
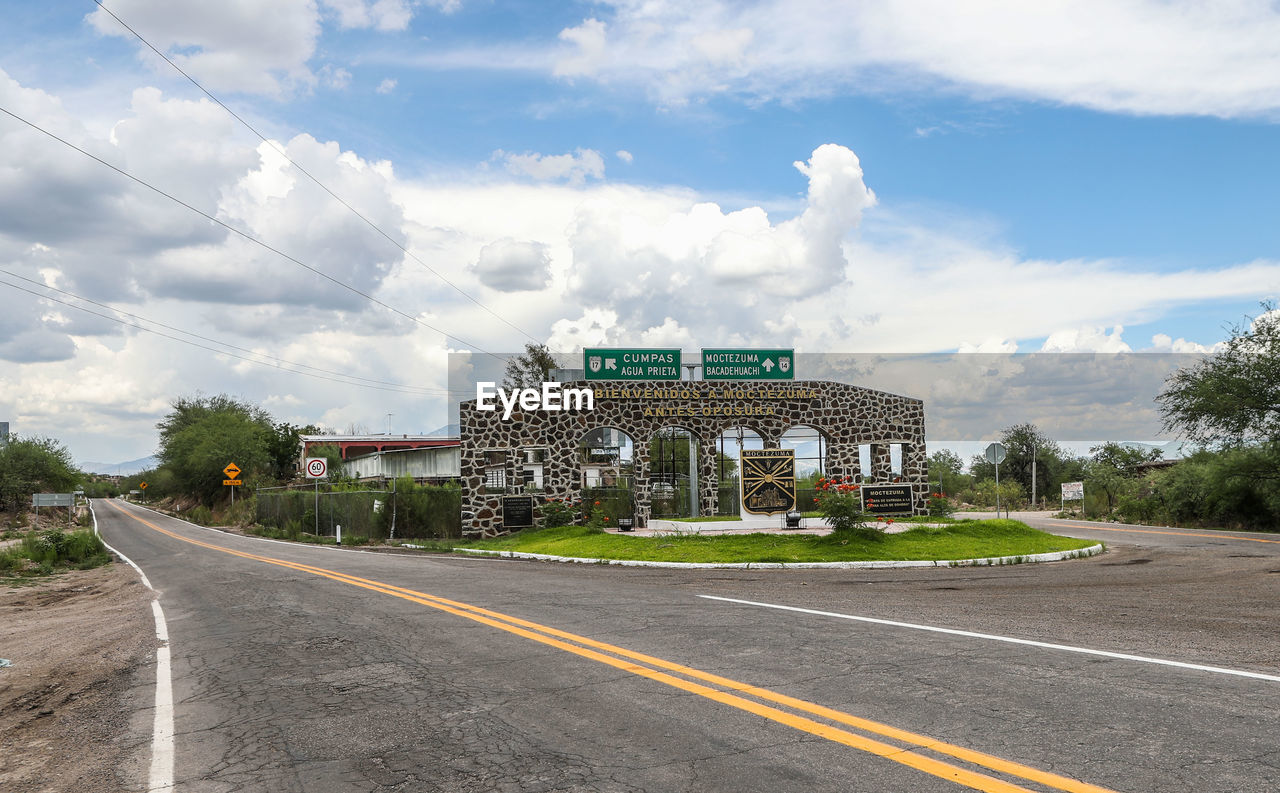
point(1055, 556)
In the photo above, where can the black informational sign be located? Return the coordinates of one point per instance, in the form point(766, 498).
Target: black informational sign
point(517, 512)
point(768, 481)
point(886, 499)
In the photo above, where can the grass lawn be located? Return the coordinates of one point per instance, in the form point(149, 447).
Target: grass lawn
point(966, 540)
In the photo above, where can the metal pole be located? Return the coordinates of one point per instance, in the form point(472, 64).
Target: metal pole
point(1033, 474)
point(393, 509)
point(997, 490)
point(317, 510)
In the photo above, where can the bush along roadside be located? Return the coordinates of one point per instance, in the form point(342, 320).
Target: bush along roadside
point(46, 552)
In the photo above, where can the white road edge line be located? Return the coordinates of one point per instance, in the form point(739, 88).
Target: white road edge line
point(259, 539)
point(162, 742)
point(1009, 639)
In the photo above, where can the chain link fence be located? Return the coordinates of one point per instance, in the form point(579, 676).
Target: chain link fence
point(420, 512)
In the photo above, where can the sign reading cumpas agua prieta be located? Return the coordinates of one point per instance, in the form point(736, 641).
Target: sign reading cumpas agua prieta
point(768, 481)
point(601, 363)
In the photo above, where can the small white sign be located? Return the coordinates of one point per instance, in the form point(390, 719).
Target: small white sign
point(1072, 491)
point(317, 467)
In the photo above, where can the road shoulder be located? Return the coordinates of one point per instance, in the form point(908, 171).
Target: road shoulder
point(81, 645)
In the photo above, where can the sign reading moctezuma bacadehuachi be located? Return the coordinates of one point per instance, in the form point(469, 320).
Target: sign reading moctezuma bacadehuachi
point(768, 481)
point(748, 364)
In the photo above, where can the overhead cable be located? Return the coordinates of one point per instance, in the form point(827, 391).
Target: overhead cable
point(245, 235)
point(280, 150)
point(270, 358)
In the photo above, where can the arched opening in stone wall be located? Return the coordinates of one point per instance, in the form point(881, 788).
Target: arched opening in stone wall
point(810, 444)
point(673, 473)
point(607, 466)
point(729, 446)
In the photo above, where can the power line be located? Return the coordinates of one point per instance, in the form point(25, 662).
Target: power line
point(275, 358)
point(245, 235)
point(395, 388)
point(307, 173)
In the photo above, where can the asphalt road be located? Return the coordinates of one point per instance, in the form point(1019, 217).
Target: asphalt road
point(316, 669)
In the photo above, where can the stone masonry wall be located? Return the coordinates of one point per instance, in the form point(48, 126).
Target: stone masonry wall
point(848, 415)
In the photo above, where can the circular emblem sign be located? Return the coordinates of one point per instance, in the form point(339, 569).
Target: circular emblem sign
point(316, 467)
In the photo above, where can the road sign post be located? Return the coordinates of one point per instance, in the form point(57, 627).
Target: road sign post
point(996, 453)
point(1072, 491)
point(231, 471)
point(316, 468)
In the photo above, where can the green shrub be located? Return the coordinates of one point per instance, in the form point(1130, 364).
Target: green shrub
point(43, 552)
point(559, 512)
point(841, 504)
point(940, 506)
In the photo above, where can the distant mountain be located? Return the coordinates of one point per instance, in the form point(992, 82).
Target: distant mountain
point(448, 429)
point(120, 469)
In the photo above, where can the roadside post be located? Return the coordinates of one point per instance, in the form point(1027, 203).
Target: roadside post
point(316, 468)
point(1072, 491)
point(995, 454)
point(143, 485)
point(231, 471)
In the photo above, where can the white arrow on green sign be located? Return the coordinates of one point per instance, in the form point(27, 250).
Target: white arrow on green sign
point(736, 364)
point(627, 364)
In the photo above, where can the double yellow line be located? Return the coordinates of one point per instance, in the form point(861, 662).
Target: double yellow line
point(716, 688)
point(1218, 536)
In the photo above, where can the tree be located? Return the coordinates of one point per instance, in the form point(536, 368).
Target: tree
point(201, 435)
point(530, 369)
point(285, 445)
point(1113, 470)
point(1231, 397)
point(1025, 443)
point(947, 468)
point(1124, 459)
point(33, 465)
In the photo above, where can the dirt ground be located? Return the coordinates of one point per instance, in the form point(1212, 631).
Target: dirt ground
point(82, 650)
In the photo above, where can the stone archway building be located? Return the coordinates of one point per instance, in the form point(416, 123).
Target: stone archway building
point(849, 416)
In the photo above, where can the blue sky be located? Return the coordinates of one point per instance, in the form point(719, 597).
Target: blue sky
point(893, 177)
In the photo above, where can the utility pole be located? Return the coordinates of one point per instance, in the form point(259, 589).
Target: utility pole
point(1033, 472)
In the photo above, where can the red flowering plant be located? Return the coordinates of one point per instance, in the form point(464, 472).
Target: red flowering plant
point(840, 503)
point(561, 512)
point(940, 506)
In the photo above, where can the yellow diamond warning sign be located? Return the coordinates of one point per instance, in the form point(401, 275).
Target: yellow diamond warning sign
point(231, 470)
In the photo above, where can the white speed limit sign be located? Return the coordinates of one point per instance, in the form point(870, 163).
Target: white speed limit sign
point(317, 467)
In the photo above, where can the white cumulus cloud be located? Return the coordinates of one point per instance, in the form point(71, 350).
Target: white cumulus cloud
point(1138, 56)
point(574, 167)
point(511, 266)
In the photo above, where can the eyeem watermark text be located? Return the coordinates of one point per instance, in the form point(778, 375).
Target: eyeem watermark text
point(551, 397)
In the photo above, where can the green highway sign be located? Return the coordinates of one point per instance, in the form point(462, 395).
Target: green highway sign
point(624, 364)
point(748, 364)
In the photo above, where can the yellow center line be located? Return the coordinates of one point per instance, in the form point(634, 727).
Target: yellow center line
point(1173, 533)
point(630, 661)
